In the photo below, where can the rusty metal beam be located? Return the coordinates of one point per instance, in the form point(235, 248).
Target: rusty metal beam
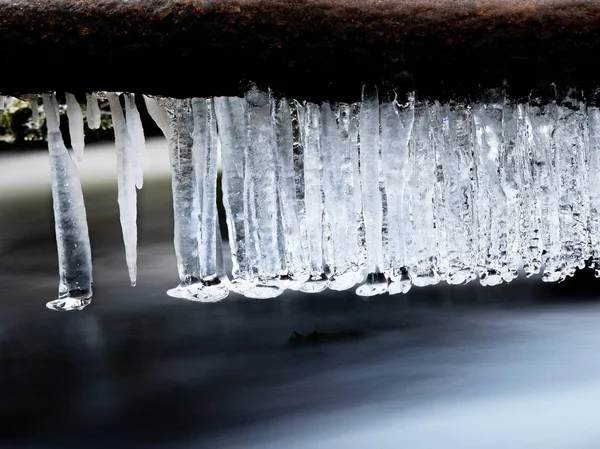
point(308, 49)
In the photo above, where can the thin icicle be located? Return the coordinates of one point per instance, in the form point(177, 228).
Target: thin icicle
point(127, 196)
point(291, 251)
point(370, 148)
point(491, 200)
point(458, 179)
point(312, 199)
point(72, 237)
point(571, 140)
point(186, 203)
point(92, 111)
point(594, 180)
point(136, 137)
point(542, 114)
point(262, 193)
point(421, 179)
point(75, 117)
point(396, 128)
point(231, 119)
point(349, 230)
point(509, 180)
point(531, 245)
point(205, 151)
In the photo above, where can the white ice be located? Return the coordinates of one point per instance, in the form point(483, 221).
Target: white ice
point(75, 117)
point(127, 196)
point(72, 237)
point(92, 111)
point(136, 137)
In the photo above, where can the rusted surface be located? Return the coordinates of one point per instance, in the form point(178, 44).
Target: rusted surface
point(308, 49)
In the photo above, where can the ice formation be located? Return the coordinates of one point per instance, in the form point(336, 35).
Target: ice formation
point(127, 172)
point(92, 111)
point(75, 117)
point(388, 193)
point(136, 137)
point(72, 239)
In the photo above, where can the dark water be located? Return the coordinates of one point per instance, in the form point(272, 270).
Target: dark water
point(514, 366)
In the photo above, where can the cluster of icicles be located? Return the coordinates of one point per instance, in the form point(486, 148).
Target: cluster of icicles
point(382, 193)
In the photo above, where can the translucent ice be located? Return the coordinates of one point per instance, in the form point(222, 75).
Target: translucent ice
point(127, 196)
point(205, 151)
point(72, 239)
point(186, 202)
point(92, 111)
point(75, 117)
point(393, 191)
point(136, 138)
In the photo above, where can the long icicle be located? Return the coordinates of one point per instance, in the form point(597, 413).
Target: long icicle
point(370, 145)
point(231, 118)
point(186, 203)
point(205, 151)
point(127, 196)
point(72, 237)
point(291, 251)
point(310, 126)
point(261, 191)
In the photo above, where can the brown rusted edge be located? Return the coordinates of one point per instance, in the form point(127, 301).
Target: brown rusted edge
point(306, 49)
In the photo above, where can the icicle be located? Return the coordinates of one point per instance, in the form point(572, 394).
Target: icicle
point(439, 141)
point(421, 248)
point(491, 201)
point(261, 189)
point(458, 180)
point(291, 252)
point(594, 180)
point(542, 114)
point(297, 112)
point(358, 227)
point(509, 171)
point(571, 140)
point(396, 128)
point(72, 238)
point(335, 162)
point(33, 100)
point(186, 203)
point(317, 281)
point(231, 119)
point(92, 111)
point(127, 196)
point(370, 145)
point(349, 231)
point(530, 242)
point(75, 117)
point(205, 154)
point(136, 137)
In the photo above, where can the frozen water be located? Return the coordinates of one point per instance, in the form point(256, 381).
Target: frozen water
point(127, 196)
point(391, 192)
point(186, 202)
point(136, 138)
point(92, 111)
point(75, 117)
point(72, 239)
point(205, 152)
